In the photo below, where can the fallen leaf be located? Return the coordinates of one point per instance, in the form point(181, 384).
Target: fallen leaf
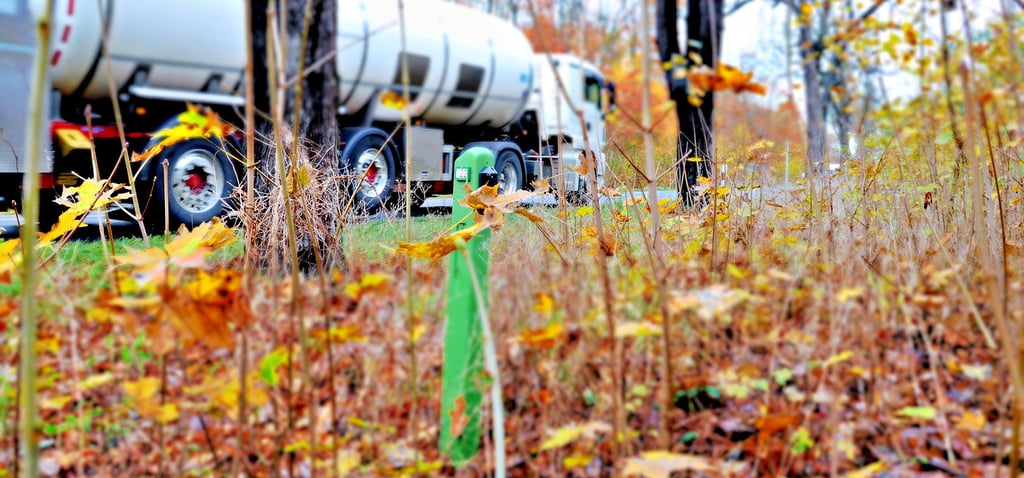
point(543, 337)
point(441, 246)
point(637, 329)
point(923, 413)
point(972, 421)
point(568, 434)
point(662, 464)
point(94, 381)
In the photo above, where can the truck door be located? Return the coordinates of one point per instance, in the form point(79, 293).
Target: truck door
point(17, 47)
point(593, 113)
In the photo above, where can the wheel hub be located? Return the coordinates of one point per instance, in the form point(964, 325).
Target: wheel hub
point(510, 179)
point(373, 167)
point(196, 181)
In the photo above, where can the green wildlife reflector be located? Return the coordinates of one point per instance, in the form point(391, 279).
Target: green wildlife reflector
point(463, 376)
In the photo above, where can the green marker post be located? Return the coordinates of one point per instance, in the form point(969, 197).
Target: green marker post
point(463, 377)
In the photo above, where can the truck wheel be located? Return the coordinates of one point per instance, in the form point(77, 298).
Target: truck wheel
point(370, 161)
point(511, 171)
point(49, 211)
point(200, 179)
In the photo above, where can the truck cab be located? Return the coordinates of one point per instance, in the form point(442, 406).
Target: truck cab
point(561, 136)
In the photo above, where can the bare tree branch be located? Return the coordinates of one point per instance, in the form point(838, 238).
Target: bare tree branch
point(742, 3)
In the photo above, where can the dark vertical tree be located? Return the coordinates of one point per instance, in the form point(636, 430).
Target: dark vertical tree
point(696, 129)
point(318, 107)
point(824, 69)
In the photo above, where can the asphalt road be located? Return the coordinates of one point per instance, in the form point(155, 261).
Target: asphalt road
point(9, 223)
point(547, 199)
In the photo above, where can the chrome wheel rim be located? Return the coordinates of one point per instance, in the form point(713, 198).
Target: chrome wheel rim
point(510, 178)
point(373, 169)
point(197, 181)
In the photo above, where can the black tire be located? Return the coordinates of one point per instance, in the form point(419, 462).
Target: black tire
point(375, 189)
point(200, 180)
point(510, 169)
point(577, 198)
point(49, 211)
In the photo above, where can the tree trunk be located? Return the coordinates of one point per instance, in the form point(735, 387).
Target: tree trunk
point(318, 126)
point(261, 89)
point(696, 126)
point(815, 106)
point(316, 206)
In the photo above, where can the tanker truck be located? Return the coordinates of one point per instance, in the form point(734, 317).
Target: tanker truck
point(473, 81)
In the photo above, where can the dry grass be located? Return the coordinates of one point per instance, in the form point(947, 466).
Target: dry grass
point(821, 325)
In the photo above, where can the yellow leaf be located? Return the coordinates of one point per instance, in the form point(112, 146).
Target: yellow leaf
point(51, 345)
point(195, 123)
point(441, 246)
point(55, 403)
point(166, 413)
point(7, 249)
point(568, 434)
point(392, 99)
point(344, 334)
point(372, 282)
point(418, 331)
point(543, 337)
point(576, 461)
point(637, 329)
point(141, 390)
point(661, 464)
point(348, 461)
point(91, 195)
point(869, 471)
point(143, 399)
point(541, 186)
point(760, 145)
point(94, 381)
point(667, 206)
point(543, 304)
point(188, 250)
point(586, 165)
point(849, 293)
point(223, 392)
point(972, 422)
point(837, 358)
point(529, 215)
point(924, 413)
point(736, 272)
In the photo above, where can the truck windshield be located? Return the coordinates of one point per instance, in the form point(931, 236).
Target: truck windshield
point(592, 85)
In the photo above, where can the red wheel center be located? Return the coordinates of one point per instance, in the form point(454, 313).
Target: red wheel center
point(195, 182)
point(371, 173)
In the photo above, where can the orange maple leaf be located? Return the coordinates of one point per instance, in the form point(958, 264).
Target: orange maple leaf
point(458, 416)
point(441, 246)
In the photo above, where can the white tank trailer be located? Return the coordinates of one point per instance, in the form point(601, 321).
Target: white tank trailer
point(473, 78)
